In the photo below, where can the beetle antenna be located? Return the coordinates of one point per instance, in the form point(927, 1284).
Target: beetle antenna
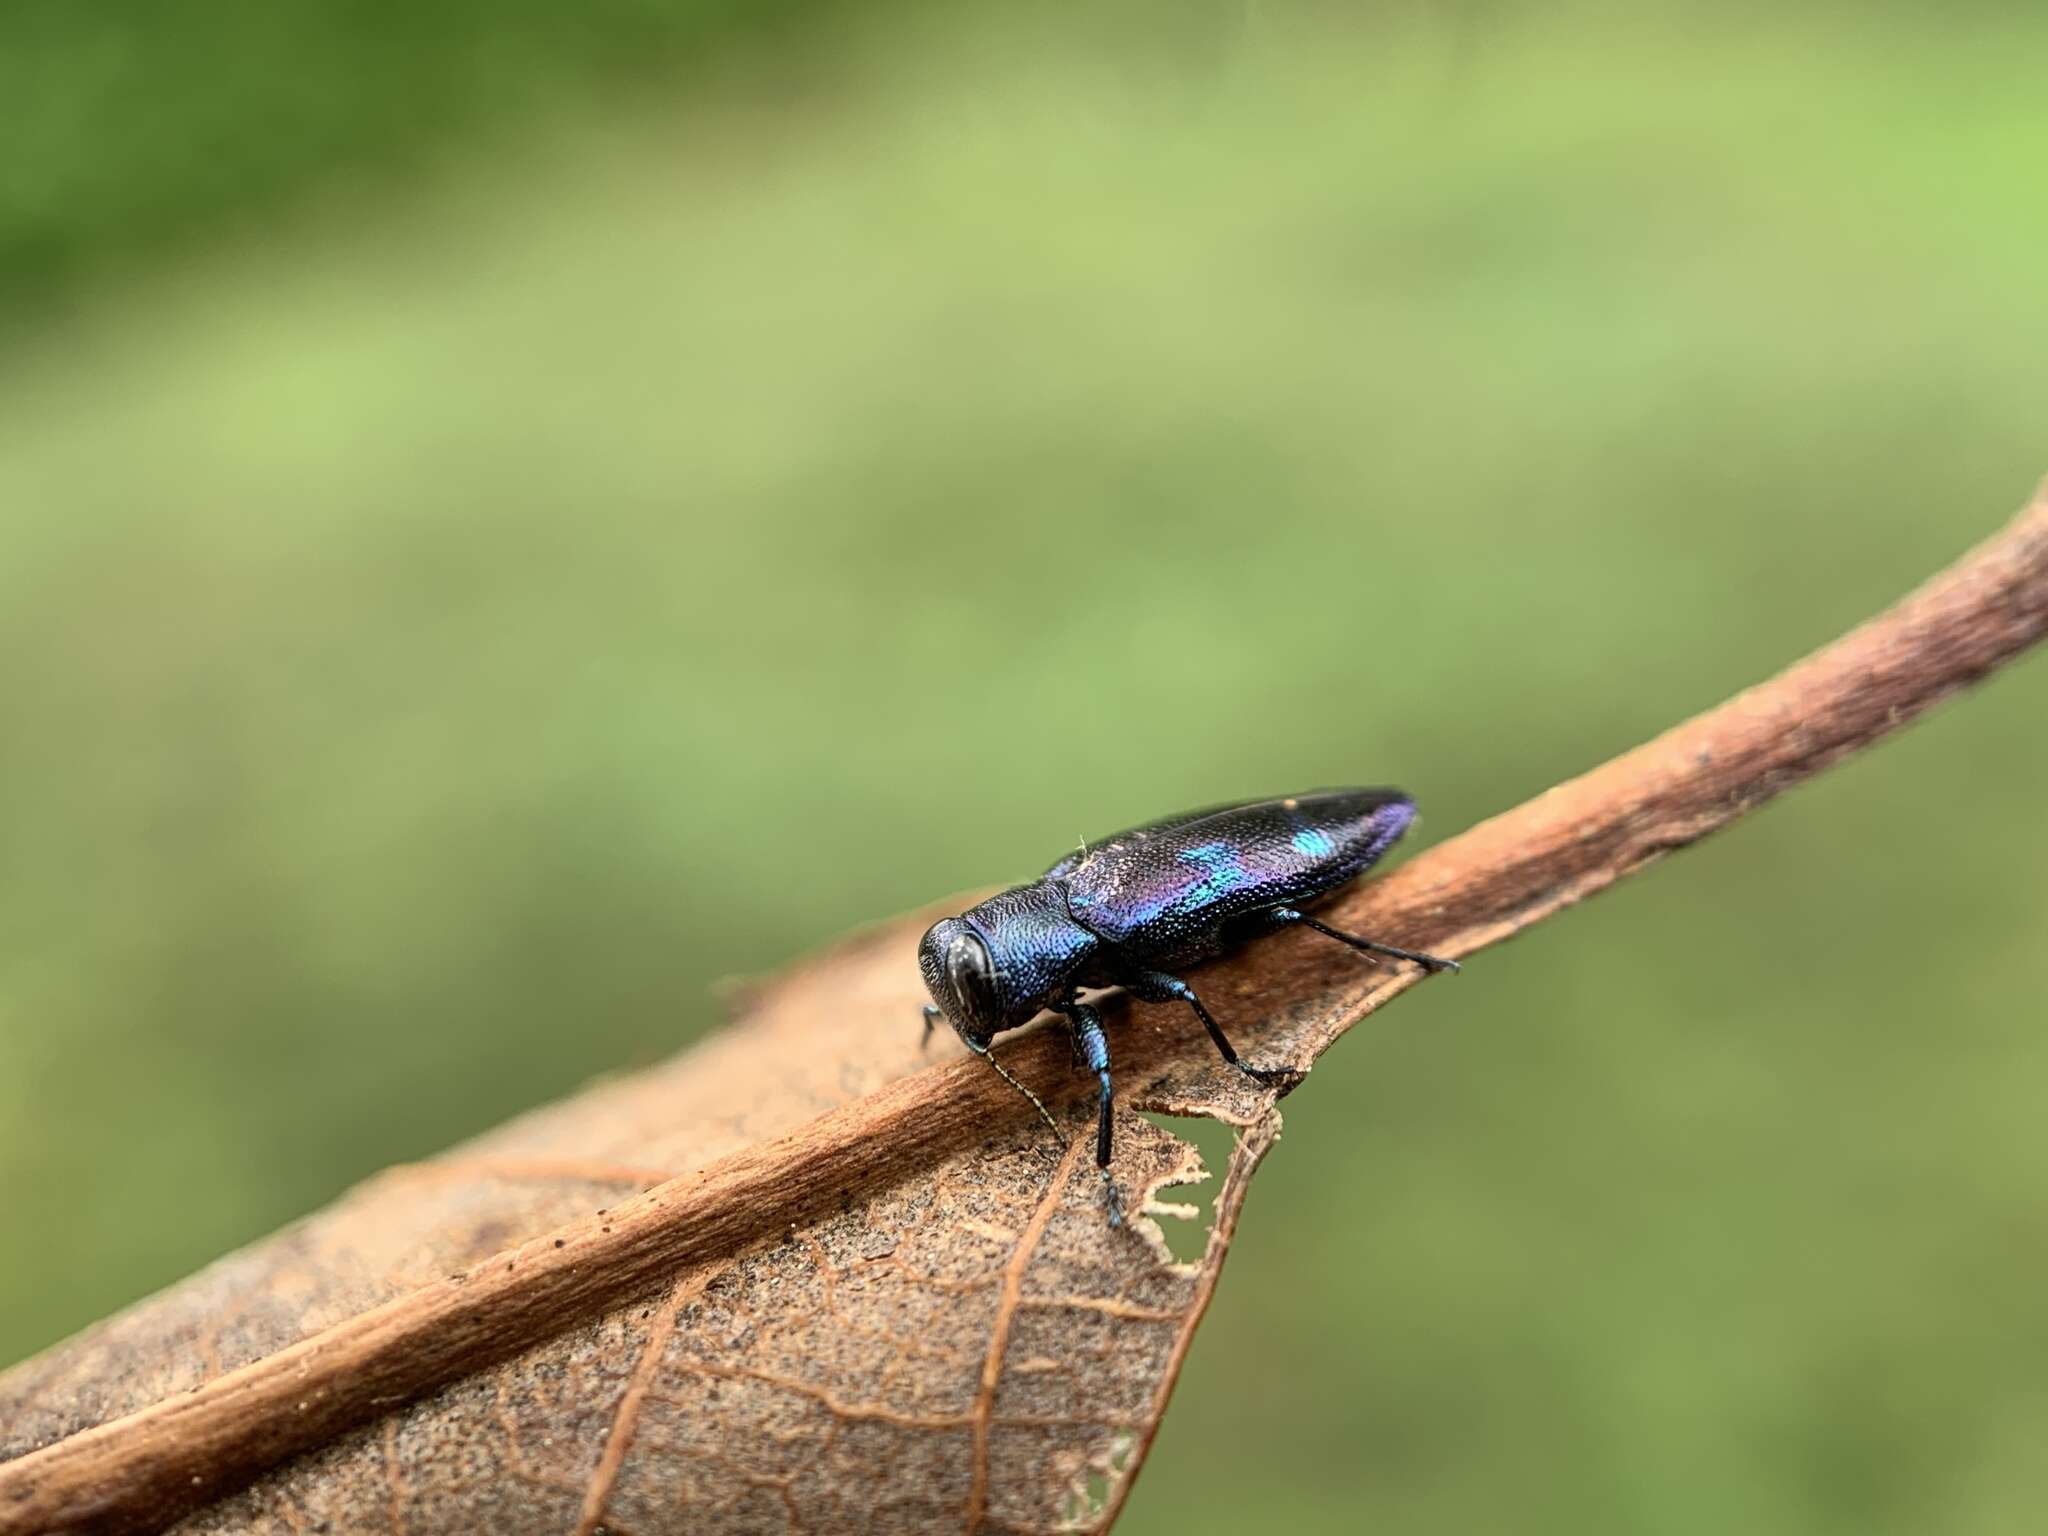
point(1037, 1103)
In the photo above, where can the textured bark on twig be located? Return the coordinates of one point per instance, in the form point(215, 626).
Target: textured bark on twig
point(865, 1298)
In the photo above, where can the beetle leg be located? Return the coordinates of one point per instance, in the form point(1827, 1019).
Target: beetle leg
point(1281, 917)
point(1158, 987)
point(931, 1019)
point(1094, 1048)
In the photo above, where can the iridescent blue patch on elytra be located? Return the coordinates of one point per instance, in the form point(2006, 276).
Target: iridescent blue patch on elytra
point(1222, 869)
point(1313, 843)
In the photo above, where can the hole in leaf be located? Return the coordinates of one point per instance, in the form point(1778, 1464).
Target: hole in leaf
point(1120, 1452)
point(1098, 1492)
point(1087, 1502)
point(1188, 1237)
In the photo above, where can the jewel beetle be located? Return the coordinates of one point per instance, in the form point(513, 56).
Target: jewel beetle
point(1133, 910)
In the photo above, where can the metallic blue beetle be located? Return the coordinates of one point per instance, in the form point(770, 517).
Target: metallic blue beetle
point(1133, 909)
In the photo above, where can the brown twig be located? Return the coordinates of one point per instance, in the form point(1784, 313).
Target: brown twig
point(142, 1470)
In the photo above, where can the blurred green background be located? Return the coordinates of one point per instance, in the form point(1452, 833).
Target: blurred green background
point(504, 521)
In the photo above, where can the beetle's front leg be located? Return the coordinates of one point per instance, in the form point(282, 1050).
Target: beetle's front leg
point(931, 1020)
point(1093, 1046)
point(1159, 987)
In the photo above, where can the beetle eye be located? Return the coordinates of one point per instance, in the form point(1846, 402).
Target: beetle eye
point(972, 974)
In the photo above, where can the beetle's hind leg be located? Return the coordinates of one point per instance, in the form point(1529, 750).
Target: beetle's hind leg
point(1091, 1044)
point(1159, 987)
point(1282, 917)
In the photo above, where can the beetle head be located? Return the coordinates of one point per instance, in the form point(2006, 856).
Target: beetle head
point(960, 974)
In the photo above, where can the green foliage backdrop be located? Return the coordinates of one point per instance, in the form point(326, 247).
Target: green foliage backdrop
point(444, 630)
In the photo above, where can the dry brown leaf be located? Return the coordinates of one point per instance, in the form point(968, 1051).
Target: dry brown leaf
point(801, 1278)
